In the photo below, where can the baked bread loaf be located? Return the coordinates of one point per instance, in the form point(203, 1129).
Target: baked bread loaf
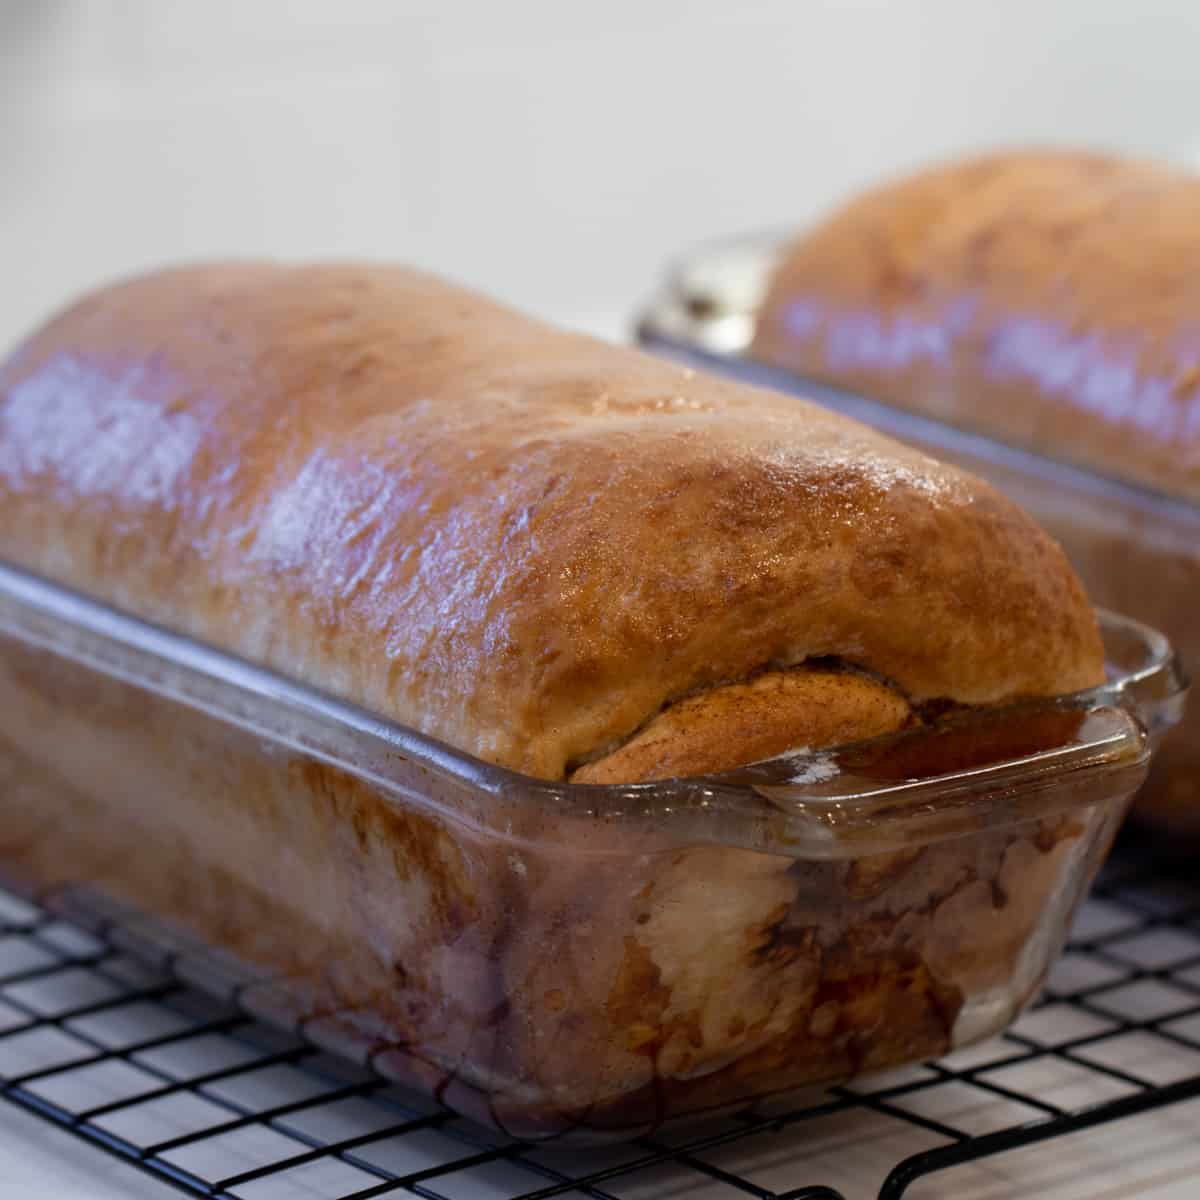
point(1047, 298)
point(558, 556)
point(521, 542)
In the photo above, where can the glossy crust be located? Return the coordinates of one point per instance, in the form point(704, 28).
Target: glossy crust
point(1048, 297)
point(523, 542)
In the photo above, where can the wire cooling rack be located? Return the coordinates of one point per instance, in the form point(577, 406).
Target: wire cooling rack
point(143, 1066)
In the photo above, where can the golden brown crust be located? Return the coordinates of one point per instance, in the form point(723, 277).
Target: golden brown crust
point(523, 542)
point(751, 722)
point(1046, 297)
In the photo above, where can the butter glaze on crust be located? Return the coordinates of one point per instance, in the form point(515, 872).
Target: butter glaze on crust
point(1047, 297)
point(520, 541)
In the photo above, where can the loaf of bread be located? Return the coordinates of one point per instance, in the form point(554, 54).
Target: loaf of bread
point(1049, 299)
point(557, 556)
point(1046, 297)
point(521, 542)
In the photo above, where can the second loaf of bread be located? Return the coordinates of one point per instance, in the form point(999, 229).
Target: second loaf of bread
point(1046, 297)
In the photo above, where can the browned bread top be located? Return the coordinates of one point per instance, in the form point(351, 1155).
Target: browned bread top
point(521, 541)
point(1051, 298)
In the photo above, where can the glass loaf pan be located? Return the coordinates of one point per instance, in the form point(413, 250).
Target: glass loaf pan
point(1137, 552)
point(557, 959)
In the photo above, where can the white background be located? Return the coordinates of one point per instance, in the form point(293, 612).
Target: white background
point(553, 153)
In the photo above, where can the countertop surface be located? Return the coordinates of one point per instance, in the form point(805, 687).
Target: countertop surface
point(1150, 1158)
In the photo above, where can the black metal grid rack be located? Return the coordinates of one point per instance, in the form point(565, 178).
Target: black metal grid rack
point(143, 1066)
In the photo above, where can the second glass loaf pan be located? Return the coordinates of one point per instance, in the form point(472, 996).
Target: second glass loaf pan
point(1137, 552)
point(558, 959)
